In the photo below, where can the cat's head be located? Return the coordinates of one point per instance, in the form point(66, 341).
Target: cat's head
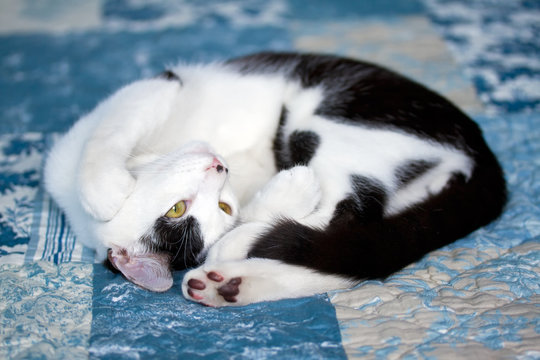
point(181, 205)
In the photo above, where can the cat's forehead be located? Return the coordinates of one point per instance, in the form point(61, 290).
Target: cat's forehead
point(180, 175)
point(172, 178)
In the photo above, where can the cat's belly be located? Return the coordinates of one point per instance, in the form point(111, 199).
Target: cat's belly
point(348, 150)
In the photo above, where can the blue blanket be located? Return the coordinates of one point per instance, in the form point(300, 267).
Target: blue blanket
point(478, 297)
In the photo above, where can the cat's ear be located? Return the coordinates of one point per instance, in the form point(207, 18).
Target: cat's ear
point(150, 271)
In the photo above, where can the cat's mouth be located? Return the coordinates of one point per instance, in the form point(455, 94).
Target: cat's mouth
point(150, 271)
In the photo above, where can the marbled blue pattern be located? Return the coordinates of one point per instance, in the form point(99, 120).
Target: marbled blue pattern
point(498, 42)
point(166, 325)
point(20, 163)
point(45, 311)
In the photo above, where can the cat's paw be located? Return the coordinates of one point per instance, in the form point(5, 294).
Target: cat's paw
point(103, 191)
point(213, 288)
point(236, 283)
point(293, 193)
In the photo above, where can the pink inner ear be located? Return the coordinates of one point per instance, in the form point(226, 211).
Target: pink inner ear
point(150, 271)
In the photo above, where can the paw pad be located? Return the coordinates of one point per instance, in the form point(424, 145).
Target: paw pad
point(196, 284)
point(214, 276)
point(230, 290)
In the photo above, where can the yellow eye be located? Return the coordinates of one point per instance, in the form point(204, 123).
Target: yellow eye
point(225, 207)
point(177, 210)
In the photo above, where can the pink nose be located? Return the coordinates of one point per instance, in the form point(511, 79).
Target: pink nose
point(216, 164)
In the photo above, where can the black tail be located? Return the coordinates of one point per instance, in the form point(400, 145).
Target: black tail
point(376, 248)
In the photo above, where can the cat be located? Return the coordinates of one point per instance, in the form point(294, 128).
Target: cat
point(272, 175)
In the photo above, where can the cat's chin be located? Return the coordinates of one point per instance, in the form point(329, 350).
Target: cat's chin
point(150, 271)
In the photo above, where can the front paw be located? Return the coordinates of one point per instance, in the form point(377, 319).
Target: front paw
point(103, 191)
point(293, 193)
point(212, 288)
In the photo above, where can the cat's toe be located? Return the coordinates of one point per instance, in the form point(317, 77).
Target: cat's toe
point(214, 276)
point(195, 285)
point(230, 290)
point(194, 289)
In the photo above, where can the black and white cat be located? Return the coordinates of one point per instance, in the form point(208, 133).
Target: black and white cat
point(279, 175)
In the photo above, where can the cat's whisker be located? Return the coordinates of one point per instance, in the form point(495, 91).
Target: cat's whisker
point(178, 249)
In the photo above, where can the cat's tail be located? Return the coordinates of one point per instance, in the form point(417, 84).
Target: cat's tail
point(355, 248)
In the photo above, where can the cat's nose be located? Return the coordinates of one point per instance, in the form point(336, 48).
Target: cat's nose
point(216, 164)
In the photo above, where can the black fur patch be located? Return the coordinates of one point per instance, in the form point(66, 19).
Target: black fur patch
point(366, 202)
point(298, 149)
point(170, 75)
point(180, 238)
point(279, 147)
point(302, 146)
point(287, 241)
point(411, 170)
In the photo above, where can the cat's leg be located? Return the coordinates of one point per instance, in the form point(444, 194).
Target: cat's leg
point(294, 193)
point(290, 194)
point(248, 281)
point(122, 120)
point(228, 278)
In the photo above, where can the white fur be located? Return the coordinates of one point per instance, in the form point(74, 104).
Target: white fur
point(133, 157)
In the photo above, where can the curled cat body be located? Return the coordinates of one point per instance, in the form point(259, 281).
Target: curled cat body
point(271, 176)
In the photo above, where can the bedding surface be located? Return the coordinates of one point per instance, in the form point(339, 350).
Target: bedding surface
point(476, 298)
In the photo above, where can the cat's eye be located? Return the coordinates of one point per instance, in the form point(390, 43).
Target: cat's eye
point(177, 210)
point(225, 207)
